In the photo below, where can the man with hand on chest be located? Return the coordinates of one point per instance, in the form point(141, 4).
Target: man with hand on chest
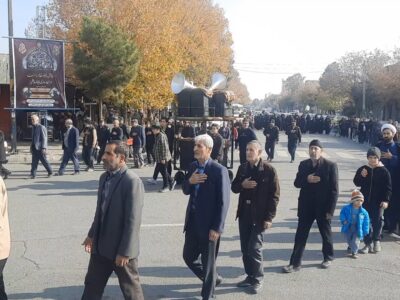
point(209, 188)
point(258, 185)
point(317, 179)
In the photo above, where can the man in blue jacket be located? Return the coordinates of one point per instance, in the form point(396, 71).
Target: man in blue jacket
point(70, 146)
point(39, 147)
point(209, 188)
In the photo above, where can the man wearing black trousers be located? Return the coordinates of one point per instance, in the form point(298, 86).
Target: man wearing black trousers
point(317, 179)
point(258, 185)
point(209, 188)
point(246, 134)
point(271, 138)
point(39, 147)
point(70, 147)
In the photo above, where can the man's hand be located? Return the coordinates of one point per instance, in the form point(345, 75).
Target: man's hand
point(328, 216)
point(213, 235)
point(121, 261)
point(163, 161)
point(44, 151)
point(197, 178)
point(249, 184)
point(384, 205)
point(387, 155)
point(364, 173)
point(88, 243)
point(267, 225)
point(313, 179)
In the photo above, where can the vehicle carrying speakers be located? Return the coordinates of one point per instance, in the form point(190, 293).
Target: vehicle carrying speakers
point(198, 102)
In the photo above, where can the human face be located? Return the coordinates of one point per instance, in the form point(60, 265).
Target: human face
point(214, 129)
point(245, 124)
point(315, 152)
point(116, 123)
point(253, 153)
point(163, 123)
point(373, 160)
point(201, 152)
point(112, 161)
point(34, 120)
point(387, 135)
point(358, 203)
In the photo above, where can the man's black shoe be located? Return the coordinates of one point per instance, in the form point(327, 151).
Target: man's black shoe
point(255, 288)
point(219, 280)
point(248, 281)
point(290, 269)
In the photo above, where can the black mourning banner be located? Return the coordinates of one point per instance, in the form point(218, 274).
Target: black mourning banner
point(39, 74)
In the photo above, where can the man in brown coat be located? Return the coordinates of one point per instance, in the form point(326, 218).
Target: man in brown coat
point(258, 185)
point(5, 243)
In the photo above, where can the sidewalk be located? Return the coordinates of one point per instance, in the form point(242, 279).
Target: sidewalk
point(23, 155)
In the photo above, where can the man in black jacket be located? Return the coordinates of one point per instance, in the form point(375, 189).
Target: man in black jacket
point(258, 185)
point(246, 134)
point(103, 135)
point(216, 153)
point(317, 179)
point(271, 138)
point(294, 138)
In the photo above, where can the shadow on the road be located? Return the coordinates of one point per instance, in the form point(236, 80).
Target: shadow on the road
point(184, 272)
point(59, 185)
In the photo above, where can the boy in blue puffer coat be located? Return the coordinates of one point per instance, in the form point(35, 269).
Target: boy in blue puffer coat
point(355, 222)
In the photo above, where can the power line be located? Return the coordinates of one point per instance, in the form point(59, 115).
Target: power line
point(276, 73)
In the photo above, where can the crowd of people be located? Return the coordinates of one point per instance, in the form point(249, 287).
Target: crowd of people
point(202, 152)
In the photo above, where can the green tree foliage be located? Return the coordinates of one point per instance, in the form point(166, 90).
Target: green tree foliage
point(105, 59)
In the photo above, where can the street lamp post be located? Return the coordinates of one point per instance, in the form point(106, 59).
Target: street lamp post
point(11, 68)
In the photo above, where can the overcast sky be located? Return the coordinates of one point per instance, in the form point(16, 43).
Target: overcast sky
point(274, 39)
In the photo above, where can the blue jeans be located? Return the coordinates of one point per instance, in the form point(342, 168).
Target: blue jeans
point(352, 239)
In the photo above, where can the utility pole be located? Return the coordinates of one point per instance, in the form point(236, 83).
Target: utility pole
point(363, 91)
point(11, 68)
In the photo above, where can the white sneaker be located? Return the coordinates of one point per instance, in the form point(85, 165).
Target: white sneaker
point(151, 181)
point(90, 170)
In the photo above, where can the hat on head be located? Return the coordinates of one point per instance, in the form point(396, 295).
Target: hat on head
point(316, 143)
point(356, 195)
point(374, 151)
point(390, 127)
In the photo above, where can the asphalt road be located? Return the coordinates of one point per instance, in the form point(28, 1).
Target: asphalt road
point(50, 218)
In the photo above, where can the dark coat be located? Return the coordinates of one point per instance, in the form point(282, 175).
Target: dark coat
point(317, 199)
point(212, 201)
point(3, 158)
point(245, 136)
point(118, 233)
point(217, 150)
point(376, 186)
point(103, 135)
point(73, 140)
point(116, 134)
point(265, 196)
point(271, 134)
point(138, 135)
point(39, 137)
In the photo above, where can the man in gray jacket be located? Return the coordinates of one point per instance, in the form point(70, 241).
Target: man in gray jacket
point(113, 239)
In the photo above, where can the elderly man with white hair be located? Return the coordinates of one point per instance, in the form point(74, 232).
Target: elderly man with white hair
point(208, 185)
point(390, 152)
